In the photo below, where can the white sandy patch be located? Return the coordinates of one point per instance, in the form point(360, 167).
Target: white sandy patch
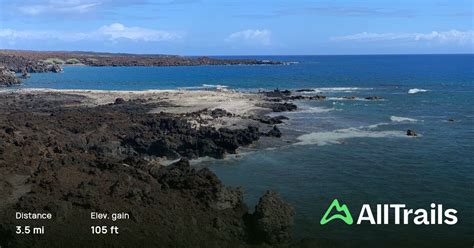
point(184, 101)
point(177, 102)
point(191, 101)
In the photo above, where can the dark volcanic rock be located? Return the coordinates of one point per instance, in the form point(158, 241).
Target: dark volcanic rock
point(373, 98)
point(270, 120)
point(349, 97)
point(8, 78)
point(174, 138)
point(274, 132)
point(316, 97)
point(277, 93)
point(280, 107)
point(119, 101)
point(56, 68)
point(411, 133)
point(34, 61)
point(216, 113)
point(77, 159)
point(305, 90)
point(25, 74)
point(272, 220)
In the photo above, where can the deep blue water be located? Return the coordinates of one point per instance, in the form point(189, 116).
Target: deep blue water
point(355, 151)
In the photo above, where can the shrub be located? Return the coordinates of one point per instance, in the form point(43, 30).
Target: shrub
point(53, 61)
point(72, 61)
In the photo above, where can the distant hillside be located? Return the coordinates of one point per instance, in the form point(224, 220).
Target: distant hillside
point(19, 60)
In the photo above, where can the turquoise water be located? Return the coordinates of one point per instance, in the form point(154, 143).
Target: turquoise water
point(355, 151)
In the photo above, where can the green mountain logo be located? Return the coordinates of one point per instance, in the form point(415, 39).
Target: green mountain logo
point(345, 216)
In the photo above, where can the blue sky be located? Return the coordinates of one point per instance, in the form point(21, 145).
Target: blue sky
point(239, 27)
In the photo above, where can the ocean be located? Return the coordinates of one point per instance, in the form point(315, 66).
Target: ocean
point(353, 150)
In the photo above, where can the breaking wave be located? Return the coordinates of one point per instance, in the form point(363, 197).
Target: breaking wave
point(339, 89)
point(204, 86)
point(402, 119)
point(347, 99)
point(415, 90)
point(316, 110)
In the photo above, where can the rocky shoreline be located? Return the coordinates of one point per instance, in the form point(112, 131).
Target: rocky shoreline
point(72, 152)
point(26, 62)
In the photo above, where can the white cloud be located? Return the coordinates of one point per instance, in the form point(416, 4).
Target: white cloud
point(65, 6)
point(12, 35)
point(453, 36)
point(111, 32)
point(119, 31)
point(251, 36)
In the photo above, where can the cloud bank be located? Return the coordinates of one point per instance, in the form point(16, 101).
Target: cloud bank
point(452, 36)
point(251, 36)
point(65, 6)
point(112, 32)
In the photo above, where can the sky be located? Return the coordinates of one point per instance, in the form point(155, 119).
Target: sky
point(239, 27)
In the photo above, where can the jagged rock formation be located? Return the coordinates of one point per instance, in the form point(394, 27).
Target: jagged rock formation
point(272, 220)
point(73, 160)
point(8, 77)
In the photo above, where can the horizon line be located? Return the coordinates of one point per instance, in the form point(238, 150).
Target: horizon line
point(232, 55)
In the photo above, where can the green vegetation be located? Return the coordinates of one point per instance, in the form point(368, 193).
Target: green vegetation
point(72, 61)
point(53, 61)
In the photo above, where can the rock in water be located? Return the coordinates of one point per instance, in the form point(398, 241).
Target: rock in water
point(272, 220)
point(280, 107)
point(305, 90)
point(274, 132)
point(349, 97)
point(277, 93)
point(56, 68)
point(270, 120)
point(8, 78)
point(373, 98)
point(411, 132)
point(25, 74)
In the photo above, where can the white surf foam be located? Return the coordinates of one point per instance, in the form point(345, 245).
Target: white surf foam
point(204, 86)
point(339, 89)
point(416, 90)
point(214, 86)
point(338, 136)
point(346, 99)
point(316, 110)
point(402, 119)
point(374, 126)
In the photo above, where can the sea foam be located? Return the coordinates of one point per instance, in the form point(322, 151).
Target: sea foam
point(339, 89)
point(415, 90)
point(338, 136)
point(347, 99)
point(402, 119)
point(316, 110)
point(214, 86)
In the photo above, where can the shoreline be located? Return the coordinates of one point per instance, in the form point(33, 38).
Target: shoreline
point(27, 62)
point(69, 151)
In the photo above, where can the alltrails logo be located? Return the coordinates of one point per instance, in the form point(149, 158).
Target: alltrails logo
point(399, 212)
point(346, 216)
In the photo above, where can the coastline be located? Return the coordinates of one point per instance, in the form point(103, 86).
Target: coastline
point(352, 125)
point(68, 151)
